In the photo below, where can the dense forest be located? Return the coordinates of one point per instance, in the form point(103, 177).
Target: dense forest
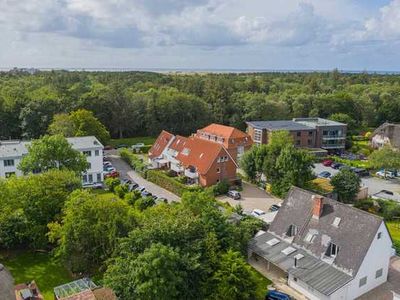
point(143, 103)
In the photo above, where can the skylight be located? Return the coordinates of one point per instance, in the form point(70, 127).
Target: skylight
point(288, 250)
point(309, 237)
point(201, 155)
point(273, 242)
point(336, 222)
point(186, 151)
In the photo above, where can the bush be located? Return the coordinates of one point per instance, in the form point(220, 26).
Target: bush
point(120, 190)
point(221, 188)
point(389, 209)
point(396, 246)
point(134, 161)
point(169, 183)
point(131, 197)
point(112, 183)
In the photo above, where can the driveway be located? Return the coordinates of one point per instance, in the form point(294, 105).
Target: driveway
point(374, 184)
point(252, 198)
point(127, 172)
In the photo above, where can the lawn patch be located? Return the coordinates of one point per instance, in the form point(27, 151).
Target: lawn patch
point(41, 267)
point(147, 140)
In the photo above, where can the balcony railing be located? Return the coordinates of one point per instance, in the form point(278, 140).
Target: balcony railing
point(191, 174)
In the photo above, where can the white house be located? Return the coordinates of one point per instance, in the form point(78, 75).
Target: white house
point(325, 249)
point(12, 151)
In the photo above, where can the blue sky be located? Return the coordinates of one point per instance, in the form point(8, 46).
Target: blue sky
point(201, 34)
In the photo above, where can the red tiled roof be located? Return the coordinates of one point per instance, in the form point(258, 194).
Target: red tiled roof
point(160, 144)
point(200, 154)
point(179, 143)
point(226, 132)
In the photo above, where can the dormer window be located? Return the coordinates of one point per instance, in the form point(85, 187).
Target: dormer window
point(292, 231)
point(332, 250)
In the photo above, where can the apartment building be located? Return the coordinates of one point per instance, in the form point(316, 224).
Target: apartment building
point(306, 132)
point(203, 161)
point(11, 153)
point(234, 140)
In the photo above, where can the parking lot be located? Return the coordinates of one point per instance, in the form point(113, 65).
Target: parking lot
point(252, 198)
point(374, 184)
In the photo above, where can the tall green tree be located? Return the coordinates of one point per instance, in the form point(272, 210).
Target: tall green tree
point(79, 123)
point(385, 158)
point(89, 231)
point(346, 184)
point(52, 152)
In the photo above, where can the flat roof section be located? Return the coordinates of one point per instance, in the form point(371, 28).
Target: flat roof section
point(279, 125)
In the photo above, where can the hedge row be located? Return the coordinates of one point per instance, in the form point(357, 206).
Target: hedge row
point(169, 183)
point(134, 161)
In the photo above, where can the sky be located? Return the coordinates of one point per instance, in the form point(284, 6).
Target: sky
point(201, 34)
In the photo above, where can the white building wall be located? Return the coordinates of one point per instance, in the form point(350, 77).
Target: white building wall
point(95, 172)
point(10, 169)
point(378, 256)
point(305, 289)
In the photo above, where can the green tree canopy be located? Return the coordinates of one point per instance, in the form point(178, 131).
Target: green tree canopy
point(79, 123)
point(89, 230)
point(346, 184)
point(385, 158)
point(52, 152)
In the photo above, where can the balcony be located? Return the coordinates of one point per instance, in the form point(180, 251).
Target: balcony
point(191, 174)
point(176, 167)
point(333, 137)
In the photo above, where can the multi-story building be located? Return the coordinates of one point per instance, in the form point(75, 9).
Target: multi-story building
point(306, 132)
point(234, 140)
point(386, 134)
point(11, 153)
point(323, 248)
point(203, 161)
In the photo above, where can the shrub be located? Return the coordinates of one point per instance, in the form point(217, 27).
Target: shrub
point(134, 161)
point(112, 183)
point(221, 188)
point(389, 209)
point(131, 197)
point(120, 190)
point(169, 183)
point(396, 246)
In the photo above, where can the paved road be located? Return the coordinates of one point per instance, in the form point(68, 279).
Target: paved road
point(252, 198)
point(374, 184)
point(126, 171)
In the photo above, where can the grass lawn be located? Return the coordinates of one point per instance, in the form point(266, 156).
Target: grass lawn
point(394, 229)
point(262, 286)
point(147, 140)
point(41, 267)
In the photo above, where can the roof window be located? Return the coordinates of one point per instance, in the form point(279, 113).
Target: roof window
point(336, 222)
point(186, 151)
point(309, 237)
point(273, 242)
point(299, 256)
point(289, 250)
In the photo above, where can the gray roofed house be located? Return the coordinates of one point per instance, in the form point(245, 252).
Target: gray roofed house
point(341, 252)
point(6, 284)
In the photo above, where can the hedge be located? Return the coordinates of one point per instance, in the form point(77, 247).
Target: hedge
point(170, 183)
point(134, 161)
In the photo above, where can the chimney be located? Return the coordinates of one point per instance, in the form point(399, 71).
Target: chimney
point(318, 206)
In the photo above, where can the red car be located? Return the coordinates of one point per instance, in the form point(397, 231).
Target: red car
point(327, 162)
point(113, 174)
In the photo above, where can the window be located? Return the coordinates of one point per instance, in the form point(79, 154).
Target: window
point(84, 178)
point(309, 237)
point(96, 152)
point(332, 250)
point(289, 250)
point(363, 281)
point(378, 273)
point(8, 162)
point(87, 153)
point(298, 143)
point(309, 142)
point(292, 231)
point(336, 222)
point(98, 177)
point(218, 170)
point(273, 242)
point(257, 135)
point(9, 174)
point(298, 133)
point(90, 178)
point(379, 235)
point(89, 166)
point(310, 133)
point(325, 132)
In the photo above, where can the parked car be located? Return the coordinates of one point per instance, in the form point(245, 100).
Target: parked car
point(122, 146)
point(336, 165)
point(107, 163)
point(126, 181)
point(132, 186)
point(361, 172)
point(108, 169)
point(95, 185)
point(324, 174)
point(275, 295)
point(140, 188)
point(385, 174)
point(274, 207)
point(113, 174)
point(257, 212)
point(146, 194)
point(108, 147)
point(327, 162)
point(234, 195)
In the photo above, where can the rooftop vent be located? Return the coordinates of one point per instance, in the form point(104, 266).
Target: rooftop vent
point(273, 242)
point(289, 250)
